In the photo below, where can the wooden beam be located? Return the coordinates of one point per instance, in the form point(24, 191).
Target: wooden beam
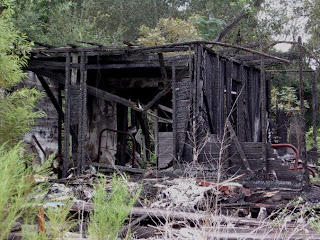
point(174, 115)
point(66, 159)
point(161, 94)
point(231, 25)
point(164, 108)
point(238, 146)
point(263, 114)
point(314, 108)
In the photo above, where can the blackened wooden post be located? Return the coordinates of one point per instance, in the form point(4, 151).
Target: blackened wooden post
point(82, 113)
point(66, 160)
point(263, 114)
point(228, 83)
point(60, 119)
point(241, 91)
point(174, 115)
point(220, 97)
point(156, 135)
point(74, 102)
point(303, 152)
point(314, 108)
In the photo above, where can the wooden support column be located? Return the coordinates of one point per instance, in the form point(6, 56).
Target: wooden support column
point(314, 108)
point(302, 145)
point(228, 83)
point(82, 130)
point(73, 102)
point(241, 91)
point(60, 120)
point(263, 114)
point(122, 125)
point(66, 160)
point(174, 114)
point(220, 97)
point(156, 135)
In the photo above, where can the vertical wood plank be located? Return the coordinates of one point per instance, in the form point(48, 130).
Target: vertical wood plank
point(241, 91)
point(314, 108)
point(303, 152)
point(229, 70)
point(174, 114)
point(82, 113)
point(66, 160)
point(156, 135)
point(263, 114)
point(220, 99)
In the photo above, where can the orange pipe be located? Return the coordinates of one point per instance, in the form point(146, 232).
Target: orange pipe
point(295, 165)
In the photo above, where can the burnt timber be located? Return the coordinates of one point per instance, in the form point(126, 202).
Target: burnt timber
point(193, 95)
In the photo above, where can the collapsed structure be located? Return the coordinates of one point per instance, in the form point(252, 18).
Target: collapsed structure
point(204, 106)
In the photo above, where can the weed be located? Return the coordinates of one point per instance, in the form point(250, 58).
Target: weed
point(110, 212)
point(16, 184)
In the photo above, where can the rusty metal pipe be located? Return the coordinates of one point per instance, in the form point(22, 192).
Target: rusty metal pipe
point(122, 132)
point(280, 145)
point(295, 165)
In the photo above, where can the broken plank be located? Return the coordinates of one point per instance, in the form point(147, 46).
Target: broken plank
point(237, 143)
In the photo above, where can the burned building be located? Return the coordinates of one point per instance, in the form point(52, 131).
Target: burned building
point(201, 105)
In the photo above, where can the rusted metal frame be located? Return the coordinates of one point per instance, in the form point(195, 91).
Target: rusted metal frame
point(296, 161)
point(303, 153)
point(314, 108)
point(122, 132)
point(174, 115)
point(66, 160)
point(263, 113)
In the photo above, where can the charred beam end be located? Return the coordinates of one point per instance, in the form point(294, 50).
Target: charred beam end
point(162, 66)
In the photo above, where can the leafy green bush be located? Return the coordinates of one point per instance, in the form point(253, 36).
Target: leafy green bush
point(110, 212)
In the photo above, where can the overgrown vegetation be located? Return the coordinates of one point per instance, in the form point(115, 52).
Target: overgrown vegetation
point(16, 184)
point(110, 211)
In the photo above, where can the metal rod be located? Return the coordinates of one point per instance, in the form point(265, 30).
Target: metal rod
point(117, 131)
